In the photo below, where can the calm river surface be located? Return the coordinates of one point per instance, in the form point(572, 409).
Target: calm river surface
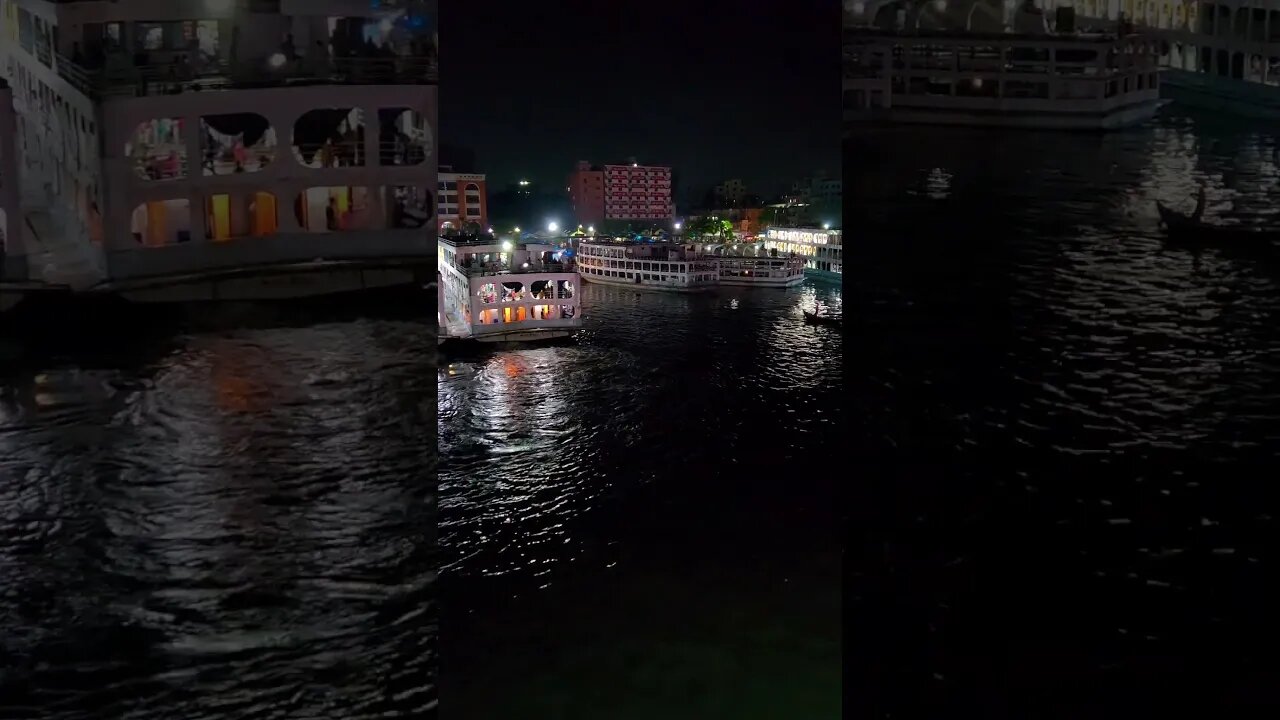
point(218, 524)
point(1084, 423)
point(646, 522)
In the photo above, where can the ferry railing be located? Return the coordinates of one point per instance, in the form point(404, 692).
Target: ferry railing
point(125, 80)
point(491, 269)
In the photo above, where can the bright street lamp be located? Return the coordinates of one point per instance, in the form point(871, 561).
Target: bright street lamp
point(590, 228)
point(551, 226)
point(677, 226)
point(506, 246)
point(826, 226)
point(517, 230)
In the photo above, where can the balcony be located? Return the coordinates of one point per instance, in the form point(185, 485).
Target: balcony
point(169, 79)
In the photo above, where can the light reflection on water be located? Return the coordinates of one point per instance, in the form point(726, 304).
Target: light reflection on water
point(1078, 403)
point(243, 526)
point(656, 385)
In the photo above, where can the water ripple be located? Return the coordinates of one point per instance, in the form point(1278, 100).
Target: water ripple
point(1080, 402)
point(546, 451)
point(243, 527)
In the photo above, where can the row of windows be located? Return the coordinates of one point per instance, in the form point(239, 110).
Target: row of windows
point(637, 172)
point(651, 277)
point(676, 267)
point(978, 87)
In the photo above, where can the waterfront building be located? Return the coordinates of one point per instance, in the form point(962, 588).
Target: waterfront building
point(821, 249)
point(729, 193)
point(191, 149)
point(586, 193)
point(621, 193)
point(462, 201)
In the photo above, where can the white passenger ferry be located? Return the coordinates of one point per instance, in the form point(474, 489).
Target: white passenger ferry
point(935, 63)
point(680, 268)
point(769, 271)
point(1215, 55)
point(176, 150)
point(820, 249)
point(502, 291)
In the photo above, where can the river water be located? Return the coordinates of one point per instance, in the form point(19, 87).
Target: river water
point(221, 523)
point(1083, 423)
point(646, 522)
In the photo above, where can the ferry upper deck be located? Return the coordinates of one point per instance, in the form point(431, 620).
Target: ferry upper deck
point(171, 138)
point(481, 256)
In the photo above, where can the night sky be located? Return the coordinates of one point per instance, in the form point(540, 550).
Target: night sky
point(714, 89)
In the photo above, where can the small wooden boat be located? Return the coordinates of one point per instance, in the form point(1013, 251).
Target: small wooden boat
point(1185, 228)
point(817, 319)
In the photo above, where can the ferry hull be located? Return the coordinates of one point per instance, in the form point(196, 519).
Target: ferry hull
point(525, 336)
point(824, 276)
point(762, 282)
point(1239, 98)
point(633, 285)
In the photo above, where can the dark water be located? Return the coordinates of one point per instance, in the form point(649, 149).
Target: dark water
point(226, 523)
point(1079, 425)
point(646, 522)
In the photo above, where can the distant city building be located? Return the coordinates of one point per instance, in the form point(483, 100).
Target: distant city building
point(637, 192)
point(817, 190)
point(586, 193)
point(462, 200)
point(621, 192)
point(729, 193)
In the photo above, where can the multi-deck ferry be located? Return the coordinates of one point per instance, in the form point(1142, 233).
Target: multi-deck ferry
point(765, 271)
point(192, 150)
point(659, 265)
point(502, 291)
point(821, 249)
point(968, 63)
point(681, 268)
point(1216, 55)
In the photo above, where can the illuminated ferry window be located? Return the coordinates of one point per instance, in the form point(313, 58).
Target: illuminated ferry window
point(230, 216)
point(333, 209)
point(161, 222)
point(488, 293)
point(564, 288)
